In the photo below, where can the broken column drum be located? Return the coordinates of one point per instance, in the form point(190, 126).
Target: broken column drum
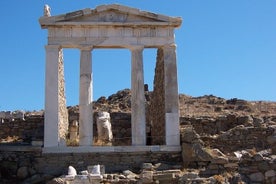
point(73, 131)
point(110, 26)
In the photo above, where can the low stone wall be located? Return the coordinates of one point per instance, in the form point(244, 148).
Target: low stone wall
point(21, 162)
point(231, 132)
point(240, 138)
point(258, 167)
point(208, 125)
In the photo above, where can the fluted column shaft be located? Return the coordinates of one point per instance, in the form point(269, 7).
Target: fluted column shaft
point(138, 119)
point(85, 99)
point(171, 96)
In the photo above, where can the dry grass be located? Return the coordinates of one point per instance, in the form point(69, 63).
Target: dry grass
point(10, 139)
point(101, 143)
point(72, 142)
point(219, 178)
point(253, 151)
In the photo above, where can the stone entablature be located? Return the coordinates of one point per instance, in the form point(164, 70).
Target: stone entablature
point(109, 26)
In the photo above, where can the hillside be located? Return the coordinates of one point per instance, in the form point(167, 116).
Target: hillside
point(207, 105)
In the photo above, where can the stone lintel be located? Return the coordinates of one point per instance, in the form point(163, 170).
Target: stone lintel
point(136, 48)
point(111, 42)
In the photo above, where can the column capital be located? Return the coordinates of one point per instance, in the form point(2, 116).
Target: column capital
point(53, 47)
point(170, 46)
point(85, 47)
point(136, 47)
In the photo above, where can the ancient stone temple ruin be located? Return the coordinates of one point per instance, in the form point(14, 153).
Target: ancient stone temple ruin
point(111, 26)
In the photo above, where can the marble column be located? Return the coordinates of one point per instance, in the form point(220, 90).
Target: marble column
point(55, 115)
point(171, 96)
point(138, 119)
point(85, 99)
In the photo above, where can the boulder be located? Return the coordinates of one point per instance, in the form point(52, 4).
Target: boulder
point(258, 122)
point(270, 173)
point(147, 166)
point(245, 120)
point(256, 177)
point(188, 135)
point(129, 174)
point(195, 152)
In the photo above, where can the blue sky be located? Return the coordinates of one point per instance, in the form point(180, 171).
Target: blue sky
point(224, 48)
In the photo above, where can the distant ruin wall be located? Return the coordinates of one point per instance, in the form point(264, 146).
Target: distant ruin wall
point(27, 130)
point(32, 128)
point(157, 107)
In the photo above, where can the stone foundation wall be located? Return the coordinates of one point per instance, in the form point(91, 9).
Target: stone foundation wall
point(15, 159)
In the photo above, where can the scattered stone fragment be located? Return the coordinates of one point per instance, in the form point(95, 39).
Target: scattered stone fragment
point(22, 172)
point(146, 176)
point(71, 171)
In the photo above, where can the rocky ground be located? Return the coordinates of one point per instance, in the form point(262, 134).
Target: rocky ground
point(223, 141)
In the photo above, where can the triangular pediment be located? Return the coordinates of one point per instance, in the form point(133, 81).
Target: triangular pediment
point(110, 14)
